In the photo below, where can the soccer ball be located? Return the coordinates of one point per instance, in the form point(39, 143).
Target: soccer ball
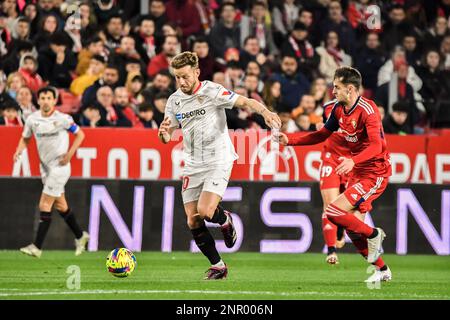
point(121, 262)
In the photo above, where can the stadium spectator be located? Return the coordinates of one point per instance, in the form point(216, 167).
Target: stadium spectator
point(395, 28)
point(396, 122)
point(287, 123)
point(146, 116)
point(297, 45)
point(108, 111)
point(398, 89)
point(225, 33)
point(434, 35)
point(234, 75)
point(251, 52)
point(21, 31)
point(5, 36)
point(10, 9)
point(306, 16)
point(25, 102)
point(88, 25)
point(105, 10)
point(159, 103)
point(123, 54)
point(28, 69)
point(161, 61)
point(398, 57)
point(135, 85)
point(272, 94)
point(57, 62)
point(337, 22)
point(51, 7)
point(207, 64)
point(320, 93)
point(14, 82)
point(91, 117)
point(254, 68)
point(47, 27)
point(303, 122)
point(122, 103)
point(4, 96)
point(307, 107)
point(96, 68)
point(369, 60)
point(293, 83)
point(110, 78)
point(158, 14)
point(412, 52)
point(162, 82)
point(284, 17)
point(10, 116)
point(12, 62)
point(185, 16)
point(31, 12)
point(256, 25)
point(251, 85)
point(332, 57)
point(445, 51)
point(145, 41)
point(436, 81)
point(94, 46)
point(113, 32)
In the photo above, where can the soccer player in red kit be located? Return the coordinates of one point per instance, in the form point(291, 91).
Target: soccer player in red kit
point(332, 185)
point(359, 120)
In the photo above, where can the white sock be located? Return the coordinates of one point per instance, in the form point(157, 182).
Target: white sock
point(219, 264)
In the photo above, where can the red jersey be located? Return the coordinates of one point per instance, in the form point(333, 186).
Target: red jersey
point(363, 131)
point(336, 145)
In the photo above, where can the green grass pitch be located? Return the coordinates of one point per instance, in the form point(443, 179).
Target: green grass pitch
point(179, 275)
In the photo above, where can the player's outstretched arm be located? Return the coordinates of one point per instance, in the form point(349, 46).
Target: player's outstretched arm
point(22, 145)
point(165, 130)
point(79, 137)
point(301, 139)
point(271, 118)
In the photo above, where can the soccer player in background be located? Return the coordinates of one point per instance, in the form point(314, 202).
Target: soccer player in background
point(50, 128)
point(208, 153)
point(359, 120)
point(332, 184)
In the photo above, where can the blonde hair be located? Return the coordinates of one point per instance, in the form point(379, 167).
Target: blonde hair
point(186, 58)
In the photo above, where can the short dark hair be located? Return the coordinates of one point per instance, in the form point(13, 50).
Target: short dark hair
point(47, 89)
point(23, 19)
point(227, 4)
point(348, 75)
point(59, 38)
point(113, 66)
point(249, 38)
point(10, 104)
point(145, 106)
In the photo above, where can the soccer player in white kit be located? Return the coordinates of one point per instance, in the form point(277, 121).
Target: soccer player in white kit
point(208, 153)
point(50, 128)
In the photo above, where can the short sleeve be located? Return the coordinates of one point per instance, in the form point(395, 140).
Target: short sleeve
point(169, 112)
point(332, 123)
point(225, 98)
point(27, 131)
point(69, 124)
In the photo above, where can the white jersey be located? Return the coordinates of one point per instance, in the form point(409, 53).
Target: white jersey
point(51, 135)
point(203, 121)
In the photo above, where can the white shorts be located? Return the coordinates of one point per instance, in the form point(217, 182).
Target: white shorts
point(213, 180)
point(54, 179)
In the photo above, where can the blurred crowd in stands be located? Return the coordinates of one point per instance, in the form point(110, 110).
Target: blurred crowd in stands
point(109, 61)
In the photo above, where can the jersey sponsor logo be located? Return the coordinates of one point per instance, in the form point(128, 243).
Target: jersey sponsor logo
point(351, 138)
point(187, 115)
point(177, 103)
point(46, 135)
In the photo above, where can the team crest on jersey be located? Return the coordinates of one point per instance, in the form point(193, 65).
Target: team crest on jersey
point(200, 99)
point(353, 121)
point(354, 196)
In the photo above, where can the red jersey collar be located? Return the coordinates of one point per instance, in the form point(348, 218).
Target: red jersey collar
point(198, 88)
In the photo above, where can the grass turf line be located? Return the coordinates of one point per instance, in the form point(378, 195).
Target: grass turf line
point(179, 275)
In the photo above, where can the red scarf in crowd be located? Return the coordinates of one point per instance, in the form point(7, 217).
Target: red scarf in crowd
point(298, 52)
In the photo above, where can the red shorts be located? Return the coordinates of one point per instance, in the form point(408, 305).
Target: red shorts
point(362, 191)
point(329, 178)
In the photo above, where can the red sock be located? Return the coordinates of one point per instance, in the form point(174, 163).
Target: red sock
point(329, 231)
point(360, 243)
point(347, 220)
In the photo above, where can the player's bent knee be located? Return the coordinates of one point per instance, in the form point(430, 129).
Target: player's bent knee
point(206, 211)
point(194, 222)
